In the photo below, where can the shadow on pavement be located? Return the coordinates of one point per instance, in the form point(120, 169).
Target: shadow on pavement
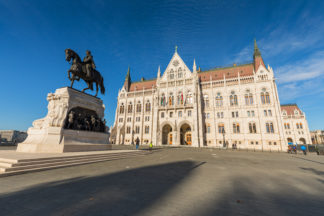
point(123, 193)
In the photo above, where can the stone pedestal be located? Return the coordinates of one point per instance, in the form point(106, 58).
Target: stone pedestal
point(54, 134)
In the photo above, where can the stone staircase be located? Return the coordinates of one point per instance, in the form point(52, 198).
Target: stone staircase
point(19, 166)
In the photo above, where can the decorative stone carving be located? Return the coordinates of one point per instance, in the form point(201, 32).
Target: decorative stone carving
point(74, 122)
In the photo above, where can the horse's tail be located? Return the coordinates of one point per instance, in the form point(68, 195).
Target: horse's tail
point(102, 87)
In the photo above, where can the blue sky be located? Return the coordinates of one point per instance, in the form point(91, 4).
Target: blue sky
point(142, 35)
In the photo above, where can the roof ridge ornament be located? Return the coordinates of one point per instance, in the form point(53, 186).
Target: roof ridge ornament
point(176, 48)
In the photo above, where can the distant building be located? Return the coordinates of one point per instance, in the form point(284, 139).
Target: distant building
point(222, 107)
point(317, 136)
point(12, 137)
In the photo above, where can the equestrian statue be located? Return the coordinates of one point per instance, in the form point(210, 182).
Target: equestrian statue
point(85, 70)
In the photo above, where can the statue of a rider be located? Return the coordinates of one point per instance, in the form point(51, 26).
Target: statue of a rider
point(89, 63)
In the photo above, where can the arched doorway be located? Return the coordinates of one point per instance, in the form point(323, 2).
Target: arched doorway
point(302, 141)
point(290, 140)
point(185, 135)
point(167, 138)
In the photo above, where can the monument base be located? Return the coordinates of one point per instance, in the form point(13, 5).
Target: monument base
point(53, 134)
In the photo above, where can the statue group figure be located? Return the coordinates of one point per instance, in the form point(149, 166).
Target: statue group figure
point(77, 120)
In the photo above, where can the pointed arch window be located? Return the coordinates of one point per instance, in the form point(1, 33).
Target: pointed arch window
point(147, 106)
point(180, 73)
point(122, 108)
point(265, 96)
point(219, 100)
point(171, 99)
point(163, 102)
point(233, 99)
point(130, 108)
point(248, 98)
point(236, 128)
point(180, 98)
point(171, 74)
point(221, 128)
point(252, 127)
point(269, 127)
point(138, 107)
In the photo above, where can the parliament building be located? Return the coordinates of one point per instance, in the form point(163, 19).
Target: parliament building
point(236, 106)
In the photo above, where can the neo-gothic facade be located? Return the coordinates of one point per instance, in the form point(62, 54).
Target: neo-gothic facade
point(223, 107)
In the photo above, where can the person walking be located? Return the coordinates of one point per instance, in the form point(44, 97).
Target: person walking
point(151, 146)
point(303, 148)
point(137, 142)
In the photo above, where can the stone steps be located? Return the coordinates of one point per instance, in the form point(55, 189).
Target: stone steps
point(12, 167)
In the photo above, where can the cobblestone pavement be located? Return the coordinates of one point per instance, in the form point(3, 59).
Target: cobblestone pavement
point(177, 181)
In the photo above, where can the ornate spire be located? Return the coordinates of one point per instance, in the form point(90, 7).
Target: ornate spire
point(176, 48)
point(128, 75)
point(194, 67)
point(256, 49)
point(159, 72)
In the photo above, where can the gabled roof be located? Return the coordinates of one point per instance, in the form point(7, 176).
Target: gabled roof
point(146, 84)
point(290, 109)
point(229, 72)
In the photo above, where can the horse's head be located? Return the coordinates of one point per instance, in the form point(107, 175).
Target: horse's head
point(68, 54)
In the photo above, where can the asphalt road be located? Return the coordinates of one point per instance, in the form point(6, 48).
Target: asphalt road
point(178, 181)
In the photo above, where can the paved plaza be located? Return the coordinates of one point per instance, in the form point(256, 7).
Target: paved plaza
point(176, 181)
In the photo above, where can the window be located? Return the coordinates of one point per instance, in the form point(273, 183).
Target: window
point(147, 129)
point(269, 127)
point(297, 125)
point(180, 98)
point(248, 98)
point(219, 100)
point(256, 143)
point(148, 106)
point(138, 107)
point(265, 112)
point(121, 108)
point(269, 113)
point(233, 99)
point(252, 113)
point(171, 74)
point(189, 112)
point(179, 73)
point(252, 127)
point(138, 119)
point(207, 128)
point(248, 113)
point(171, 114)
point(270, 143)
point(121, 119)
point(180, 114)
point(265, 97)
point(252, 142)
point(300, 125)
point(128, 130)
point(137, 130)
point(220, 115)
point(236, 128)
point(162, 114)
point(274, 143)
point(221, 128)
point(163, 102)
point(235, 114)
point(129, 119)
point(147, 118)
point(206, 101)
point(130, 108)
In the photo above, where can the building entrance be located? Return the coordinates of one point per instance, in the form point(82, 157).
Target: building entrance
point(167, 135)
point(185, 135)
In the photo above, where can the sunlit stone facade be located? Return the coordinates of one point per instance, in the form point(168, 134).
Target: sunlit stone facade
point(235, 106)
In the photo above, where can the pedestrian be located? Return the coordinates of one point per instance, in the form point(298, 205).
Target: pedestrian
point(303, 148)
point(137, 142)
point(151, 146)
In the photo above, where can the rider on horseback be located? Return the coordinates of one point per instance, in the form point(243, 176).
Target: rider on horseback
point(89, 63)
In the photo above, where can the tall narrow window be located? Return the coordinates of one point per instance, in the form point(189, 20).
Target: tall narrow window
point(179, 73)
point(221, 128)
point(233, 99)
point(138, 107)
point(189, 98)
point(171, 74)
point(130, 107)
point(121, 108)
point(252, 127)
point(147, 106)
point(206, 101)
point(219, 100)
point(236, 128)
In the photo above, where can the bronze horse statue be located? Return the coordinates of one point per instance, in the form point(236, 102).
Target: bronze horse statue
point(78, 70)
